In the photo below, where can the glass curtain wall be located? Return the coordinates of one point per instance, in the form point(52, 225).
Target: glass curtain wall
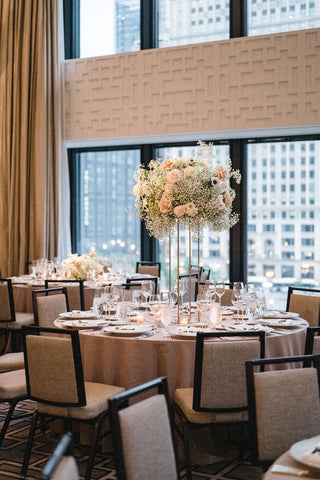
point(283, 241)
point(105, 183)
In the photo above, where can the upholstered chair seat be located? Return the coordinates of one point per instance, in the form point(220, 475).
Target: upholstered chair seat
point(11, 361)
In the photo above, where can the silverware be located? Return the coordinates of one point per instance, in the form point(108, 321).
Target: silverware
point(297, 472)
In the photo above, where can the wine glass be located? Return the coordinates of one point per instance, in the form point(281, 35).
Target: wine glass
point(203, 306)
point(154, 306)
point(146, 288)
point(220, 289)
point(98, 301)
point(136, 298)
point(260, 301)
point(235, 298)
point(166, 319)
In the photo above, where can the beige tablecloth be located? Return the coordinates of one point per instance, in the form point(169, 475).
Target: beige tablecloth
point(129, 361)
point(287, 460)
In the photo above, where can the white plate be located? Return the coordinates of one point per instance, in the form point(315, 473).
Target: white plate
point(301, 451)
point(190, 332)
point(280, 315)
point(128, 330)
point(36, 283)
point(79, 324)
point(227, 312)
point(78, 314)
point(281, 323)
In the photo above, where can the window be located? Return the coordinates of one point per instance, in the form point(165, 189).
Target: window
point(307, 271)
point(109, 27)
point(287, 271)
point(291, 222)
point(103, 221)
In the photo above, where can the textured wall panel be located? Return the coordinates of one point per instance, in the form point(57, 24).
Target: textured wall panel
point(254, 82)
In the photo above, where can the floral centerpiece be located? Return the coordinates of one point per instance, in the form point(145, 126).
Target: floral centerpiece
point(195, 192)
point(77, 267)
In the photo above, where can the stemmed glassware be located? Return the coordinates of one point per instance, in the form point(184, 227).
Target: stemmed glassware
point(146, 288)
point(220, 289)
point(98, 301)
point(236, 297)
point(154, 306)
point(203, 306)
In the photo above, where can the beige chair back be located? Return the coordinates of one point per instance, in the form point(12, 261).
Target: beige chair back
point(223, 372)
point(147, 445)
point(49, 308)
point(287, 409)
point(226, 298)
point(5, 312)
point(152, 270)
point(55, 355)
point(308, 307)
point(74, 297)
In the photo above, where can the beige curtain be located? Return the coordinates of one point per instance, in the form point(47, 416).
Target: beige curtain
point(31, 148)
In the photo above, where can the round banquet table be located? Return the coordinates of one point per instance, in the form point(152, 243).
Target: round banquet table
point(130, 361)
point(287, 460)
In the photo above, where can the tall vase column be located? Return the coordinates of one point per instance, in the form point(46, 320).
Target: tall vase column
point(190, 250)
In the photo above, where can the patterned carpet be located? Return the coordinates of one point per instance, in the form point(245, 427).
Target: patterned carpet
point(12, 451)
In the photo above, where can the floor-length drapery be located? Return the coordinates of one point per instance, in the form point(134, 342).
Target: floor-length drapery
point(31, 148)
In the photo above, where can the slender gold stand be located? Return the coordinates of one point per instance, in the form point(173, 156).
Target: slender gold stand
point(198, 269)
point(190, 240)
point(178, 261)
point(169, 262)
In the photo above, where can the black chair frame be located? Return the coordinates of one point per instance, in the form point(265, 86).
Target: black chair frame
point(7, 331)
point(46, 292)
point(311, 331)
point(187, 425)
point(96, 421)
point(62, 449)
point(307, 361)
point(121, 401)
point(81, 288)
point(155, 280)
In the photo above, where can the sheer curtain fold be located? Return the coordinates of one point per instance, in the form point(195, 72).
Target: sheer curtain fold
point(32, 153)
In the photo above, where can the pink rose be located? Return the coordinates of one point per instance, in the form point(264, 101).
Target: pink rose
point(191, 209)
point(179, 211)
point(222, 172)
point(92, 252)
point(174, 176)
point(168, 188)
point(227, 199)
point(165, 205)
point(190, 171)
point(137, 190)
point(166, 164)
point(77, 264)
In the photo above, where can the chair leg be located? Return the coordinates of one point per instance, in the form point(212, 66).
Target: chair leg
point(93, 449)
point(27, 454)
point(187, 450)
point(7, 420)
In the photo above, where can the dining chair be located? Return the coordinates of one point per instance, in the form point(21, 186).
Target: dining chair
point(150, 268)
point(219, 393)
point(284, 405)
point(142, 433)
point(75, 289)
point(13, 389)
point(312, 345)
point(48, 303)
point(306, 303)
point(61, 465)
point(55, 381)
point(205, 274)
point(194, 286)
point(11, 321)
point(128, 289)
point(155, 281)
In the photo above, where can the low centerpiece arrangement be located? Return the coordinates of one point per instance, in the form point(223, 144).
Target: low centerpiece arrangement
point(78, 267)
point(193, 192)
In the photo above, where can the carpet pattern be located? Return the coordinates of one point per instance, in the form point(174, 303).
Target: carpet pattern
point(12, 451)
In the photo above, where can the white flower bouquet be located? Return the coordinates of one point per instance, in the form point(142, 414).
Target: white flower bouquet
point(194, 191)
point(77, 267)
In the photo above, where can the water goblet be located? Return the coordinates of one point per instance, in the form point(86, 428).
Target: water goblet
point(220, 289)
point(146, 288)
